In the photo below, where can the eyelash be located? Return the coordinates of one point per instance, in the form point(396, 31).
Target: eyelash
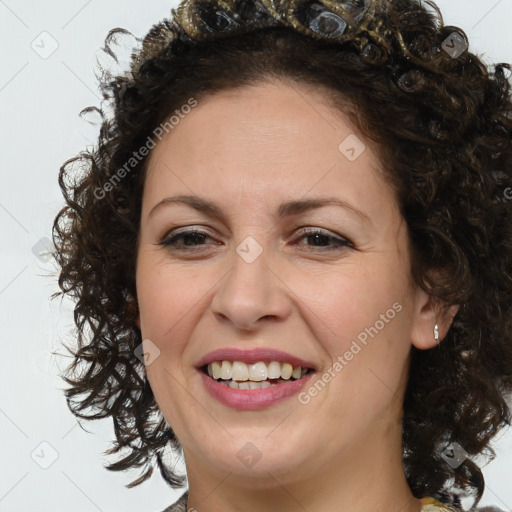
point(341, 242)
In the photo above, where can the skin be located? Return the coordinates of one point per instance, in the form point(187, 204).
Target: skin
point(249, 150)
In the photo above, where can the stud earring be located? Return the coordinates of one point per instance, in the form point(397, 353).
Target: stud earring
point(436, 333)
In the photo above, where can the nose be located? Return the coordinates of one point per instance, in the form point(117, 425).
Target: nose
point(250, 292)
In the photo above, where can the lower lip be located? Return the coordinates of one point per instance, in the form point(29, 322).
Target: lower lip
point(253, 399)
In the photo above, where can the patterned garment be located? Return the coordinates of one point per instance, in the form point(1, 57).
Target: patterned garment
point(432, 505)
point(428, 505)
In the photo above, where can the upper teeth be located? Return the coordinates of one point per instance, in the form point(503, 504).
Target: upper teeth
point(257, 372)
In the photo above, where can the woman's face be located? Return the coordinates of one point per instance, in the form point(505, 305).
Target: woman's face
point(327, 286)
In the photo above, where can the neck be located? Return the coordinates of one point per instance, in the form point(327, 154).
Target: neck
point(366, 476)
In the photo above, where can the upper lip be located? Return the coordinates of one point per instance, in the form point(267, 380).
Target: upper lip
point(254, 355)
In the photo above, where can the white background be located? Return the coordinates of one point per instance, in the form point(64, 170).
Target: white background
point(39, 104)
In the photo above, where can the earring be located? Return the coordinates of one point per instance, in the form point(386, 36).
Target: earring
point(436, 333)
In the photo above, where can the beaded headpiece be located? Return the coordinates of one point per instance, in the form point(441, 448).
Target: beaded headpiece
point(334, 20)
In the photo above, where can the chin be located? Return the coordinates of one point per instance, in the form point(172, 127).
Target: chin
point(256, 457)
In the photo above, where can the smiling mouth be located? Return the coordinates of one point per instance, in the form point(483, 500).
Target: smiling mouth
point(239, 375)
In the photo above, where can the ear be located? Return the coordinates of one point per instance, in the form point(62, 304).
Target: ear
point(429, 311)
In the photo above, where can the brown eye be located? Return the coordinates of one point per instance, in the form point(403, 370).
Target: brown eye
point(191, 238)
point(325, 238)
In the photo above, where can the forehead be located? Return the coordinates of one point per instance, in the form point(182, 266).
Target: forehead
point(272, 139)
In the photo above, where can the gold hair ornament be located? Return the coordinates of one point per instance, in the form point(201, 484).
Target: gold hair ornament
point(333, 20)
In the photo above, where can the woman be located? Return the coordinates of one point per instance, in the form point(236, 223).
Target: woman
point(292, 245)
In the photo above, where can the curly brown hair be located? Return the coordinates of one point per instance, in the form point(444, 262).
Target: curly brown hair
point(442, 125)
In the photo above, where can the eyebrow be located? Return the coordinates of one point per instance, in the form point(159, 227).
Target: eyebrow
point(287, 209)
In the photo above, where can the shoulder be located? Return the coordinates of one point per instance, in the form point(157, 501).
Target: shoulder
point(181, 504)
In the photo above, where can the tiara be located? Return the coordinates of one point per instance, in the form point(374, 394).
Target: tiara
point(331, 20)
point(326, 19)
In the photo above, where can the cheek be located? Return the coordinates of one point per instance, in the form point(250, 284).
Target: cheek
point(167, 297)
point(349, 301)
point(169, 303)
point(361, 321)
